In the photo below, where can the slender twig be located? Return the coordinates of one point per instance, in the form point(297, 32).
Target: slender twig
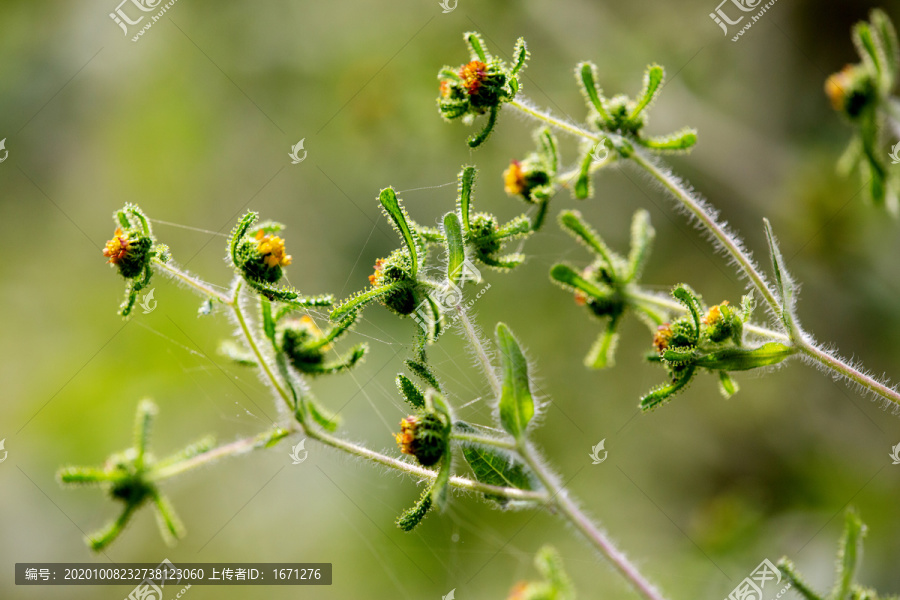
point(558, 496)
point(234, 448)
point(461, 483)
point(670, 304)
point(480, 350)
point(484, 441)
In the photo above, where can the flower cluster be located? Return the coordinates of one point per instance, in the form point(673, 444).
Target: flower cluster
point(608, 287)
point(132, 250)
point(714, 342)
point(259, 255)
point(862, 94)
point(480, 86)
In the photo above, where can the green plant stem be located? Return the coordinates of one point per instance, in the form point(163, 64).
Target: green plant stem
point(330, 440)
point(234, 448)
point(559, 498)
point(484, 441)
point(557, 495)
point(702, 214)
point(191, 281)
point(731, 245)
point(853, 374)
point(480, 350)
point(235, 305)
point(672, 305)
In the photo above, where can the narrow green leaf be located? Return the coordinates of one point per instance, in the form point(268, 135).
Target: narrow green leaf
point(388, 199)
point(583, 187)
point(684, 294)
point(516, 401)
point(520, 54)
point(411, 392)
point(868, 48)
point(326, 419)
point(267, 319)
point(549, 152)
point(742, 359)
point(439, 490)
point(642, 235)
point(456, 252)
point(351, 305)
point(679, 141)
point(476, 46)
point(466, 184)
point(586, 75)
point(573, 222)
point(727, 385)
point(477, 139)
point(143, 423)
point(238, 233)
point(887, 38)
point(570, 278)
point(602, 352)
point(663, 393)
point(170, 526)
point(424, 372)
point(784, 284)
point(798, 585)
point(653, 78)
point(412, 517)
point(848, 555)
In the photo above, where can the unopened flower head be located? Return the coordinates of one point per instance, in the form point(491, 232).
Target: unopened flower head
point(129, 251)
point(424, 436)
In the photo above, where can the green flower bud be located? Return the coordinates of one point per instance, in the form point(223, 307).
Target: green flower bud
point(528, 179)
point(425, 436)
point(396, 270)
point(852, 90)
point(130, 251)
point(722, 323)
point(262, 256)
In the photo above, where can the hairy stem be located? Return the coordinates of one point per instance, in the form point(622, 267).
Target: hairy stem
point(668, 303)
point(480, 350)
point(558, 496)
point(234, 448)
point(461, 483)
point(484, 441)
point(200, 286)
point(851, 373)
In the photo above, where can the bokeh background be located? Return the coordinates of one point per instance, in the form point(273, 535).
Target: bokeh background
point(194, 123)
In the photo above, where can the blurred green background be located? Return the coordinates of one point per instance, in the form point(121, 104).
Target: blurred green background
point(194, 123)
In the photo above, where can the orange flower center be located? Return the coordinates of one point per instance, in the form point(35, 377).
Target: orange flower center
point(473, 75)
point(373, 278)
point(661, 337)
point(514, 179)
point(836, 87)
point(116, 248)
point(407, 434)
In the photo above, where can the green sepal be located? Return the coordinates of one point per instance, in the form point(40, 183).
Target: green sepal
point(653, 79)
